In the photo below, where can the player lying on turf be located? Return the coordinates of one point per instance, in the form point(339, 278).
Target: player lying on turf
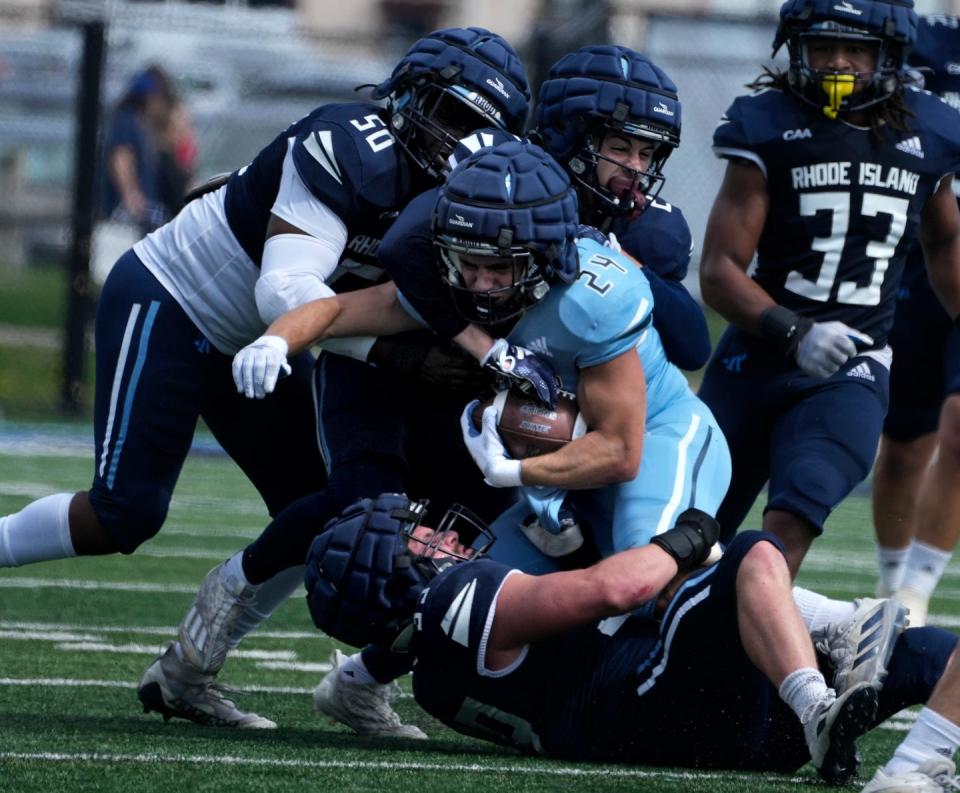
point(560, 665)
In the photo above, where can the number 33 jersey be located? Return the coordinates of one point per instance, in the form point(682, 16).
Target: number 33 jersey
point(844, 204)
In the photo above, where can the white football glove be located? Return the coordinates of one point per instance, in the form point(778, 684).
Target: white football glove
point(827, 346)
point(487, 450)
point(257, 367)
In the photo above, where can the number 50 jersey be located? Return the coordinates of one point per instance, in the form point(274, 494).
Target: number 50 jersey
point(845, 204)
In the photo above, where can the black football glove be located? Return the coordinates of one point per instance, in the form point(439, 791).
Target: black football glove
point(690, 540)
point(433, 361)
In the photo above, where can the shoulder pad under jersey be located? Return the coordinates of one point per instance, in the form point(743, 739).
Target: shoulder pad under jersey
point(754, 121)
point(347, 157)
point(608, 306)
point(660, 239)
point(938, 122)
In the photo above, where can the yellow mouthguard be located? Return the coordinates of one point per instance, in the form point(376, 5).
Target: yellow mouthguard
point(837, 87)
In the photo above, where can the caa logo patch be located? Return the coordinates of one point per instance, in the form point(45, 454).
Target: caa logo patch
point(952, 68)
point(797, 134)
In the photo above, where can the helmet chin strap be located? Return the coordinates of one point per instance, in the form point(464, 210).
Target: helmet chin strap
point(837, 87)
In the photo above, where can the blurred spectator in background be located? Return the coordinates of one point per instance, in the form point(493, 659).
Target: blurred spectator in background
point(131, 158)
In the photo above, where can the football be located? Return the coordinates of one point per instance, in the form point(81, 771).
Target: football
point(528, 427)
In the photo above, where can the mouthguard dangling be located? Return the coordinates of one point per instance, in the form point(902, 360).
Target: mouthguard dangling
point(837, 87)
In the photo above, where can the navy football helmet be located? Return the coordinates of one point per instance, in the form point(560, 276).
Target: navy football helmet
point(606, 89)
point(514, 204)
point(890, 25)
point(450, 83)
point(370, 564)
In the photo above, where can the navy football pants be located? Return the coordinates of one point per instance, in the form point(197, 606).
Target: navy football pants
point(813, 439)
point(926, 363)
point(380, 433)
point(156, 375)
point(712, 708)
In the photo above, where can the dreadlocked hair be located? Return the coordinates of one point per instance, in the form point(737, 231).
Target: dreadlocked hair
point(892, 112)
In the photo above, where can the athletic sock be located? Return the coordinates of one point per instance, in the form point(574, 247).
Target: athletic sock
point(932, 735)
point(891, 565)
point(818, 611)
point(924, 567)
point(233, 568)
point(803, 689)
point(37, 533)
point(353, 670)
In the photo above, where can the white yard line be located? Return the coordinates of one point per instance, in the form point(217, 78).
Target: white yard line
point(446, 768)
point(150, 630)
point(149, 649)
point(66, 682)
point(107, 586)
point(294, 666)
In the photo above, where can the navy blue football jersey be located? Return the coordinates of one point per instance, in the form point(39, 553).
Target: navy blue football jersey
point(659, 238)
point(349, 160)
point(408, 257)
point(844, 207)
point(937, 49)
point(563, 697)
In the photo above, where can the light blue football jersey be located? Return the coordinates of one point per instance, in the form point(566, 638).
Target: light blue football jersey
point(685, 462)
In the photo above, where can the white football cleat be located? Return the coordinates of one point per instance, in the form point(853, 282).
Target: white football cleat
point(832, 732)
point(171, 687)
point(936, 775)
point(221, 602)
point(859, 650)
point(917, 604)
point(363, 707)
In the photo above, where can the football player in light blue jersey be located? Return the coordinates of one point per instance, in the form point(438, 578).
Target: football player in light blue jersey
point(916, 500)
point(516, 259)
point(835, 167)
point(511, 249)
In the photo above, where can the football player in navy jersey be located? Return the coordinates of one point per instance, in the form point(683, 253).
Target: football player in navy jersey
point(561, 665)
point(611, 117)
point(834, 168)
point(916, 504)
point(388, 418)
point(300, 221)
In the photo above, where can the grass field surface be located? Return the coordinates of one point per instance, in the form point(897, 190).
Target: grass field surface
point(76, 635)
